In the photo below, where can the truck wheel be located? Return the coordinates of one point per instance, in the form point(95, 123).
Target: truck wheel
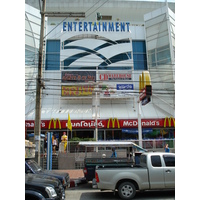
point(126, 190)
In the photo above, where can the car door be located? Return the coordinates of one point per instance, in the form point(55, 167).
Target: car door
point(169, 171)
point(156, 173)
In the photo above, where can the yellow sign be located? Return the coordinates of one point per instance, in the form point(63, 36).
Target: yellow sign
point(54, 123)
point(84, 90)
point(113, 123)
point(169, 121)
point(144, 79)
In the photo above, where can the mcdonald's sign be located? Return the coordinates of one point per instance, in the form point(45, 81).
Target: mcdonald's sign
point(169, 120)
point(54, 123)
point(113, 123)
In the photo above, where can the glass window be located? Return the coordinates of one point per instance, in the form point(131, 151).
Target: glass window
point(31, 56)
point(53, 55)
point(143, 159)
point(159, 56)
point(155, 161)
point(139, 55)
point(169, 161)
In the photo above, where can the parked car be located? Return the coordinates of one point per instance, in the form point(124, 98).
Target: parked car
point(33, 195)
point(40, 187)
point(155, 171)
point(32, 167)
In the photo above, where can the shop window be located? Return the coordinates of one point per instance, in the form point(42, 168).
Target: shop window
point(52, 55)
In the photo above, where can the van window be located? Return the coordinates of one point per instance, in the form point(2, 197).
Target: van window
point(156, 161)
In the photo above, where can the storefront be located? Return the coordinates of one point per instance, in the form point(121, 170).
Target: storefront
point(109, 129)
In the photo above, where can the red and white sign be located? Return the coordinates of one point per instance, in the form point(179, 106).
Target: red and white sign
point(115, 76)
point(102, 124)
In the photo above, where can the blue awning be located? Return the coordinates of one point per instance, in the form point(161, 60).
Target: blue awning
point(135, 130)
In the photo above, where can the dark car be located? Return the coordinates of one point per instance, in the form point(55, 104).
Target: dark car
point(43, 187)
point(32, 167)
point(33, 195)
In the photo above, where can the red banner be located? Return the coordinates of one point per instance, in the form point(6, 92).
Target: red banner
point(102, 124)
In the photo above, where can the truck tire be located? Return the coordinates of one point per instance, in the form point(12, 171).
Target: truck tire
point(126, 190)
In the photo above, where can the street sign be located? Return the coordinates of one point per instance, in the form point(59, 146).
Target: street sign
point(146, 92)
point(142, 94)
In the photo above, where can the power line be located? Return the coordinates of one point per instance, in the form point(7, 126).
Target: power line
point(67, 17)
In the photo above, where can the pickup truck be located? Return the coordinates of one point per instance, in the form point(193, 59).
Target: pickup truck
point(155, 171)
point(43, 187)
point(32, 167)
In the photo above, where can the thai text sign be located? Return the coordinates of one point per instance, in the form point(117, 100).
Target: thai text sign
point(124, 86)
point(76, 90)
point(78, 76)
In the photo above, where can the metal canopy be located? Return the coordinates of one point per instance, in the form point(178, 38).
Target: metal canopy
point(65, 14)
point(111, 144)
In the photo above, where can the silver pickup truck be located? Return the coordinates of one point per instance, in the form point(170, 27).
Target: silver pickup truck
point(155, 171)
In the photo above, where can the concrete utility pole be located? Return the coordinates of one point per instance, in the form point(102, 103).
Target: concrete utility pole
point(139, 123)
point(37, 127)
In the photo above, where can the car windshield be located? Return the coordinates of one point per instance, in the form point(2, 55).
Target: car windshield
point(34, 165)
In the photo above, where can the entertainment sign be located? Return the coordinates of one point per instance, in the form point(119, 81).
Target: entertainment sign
point(96, 26)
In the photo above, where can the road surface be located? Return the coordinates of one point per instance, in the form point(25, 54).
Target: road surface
point(86, 192)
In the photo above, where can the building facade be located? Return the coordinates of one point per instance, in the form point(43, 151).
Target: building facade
point(92, 67)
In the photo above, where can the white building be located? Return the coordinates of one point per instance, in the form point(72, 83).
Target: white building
point(92, 68)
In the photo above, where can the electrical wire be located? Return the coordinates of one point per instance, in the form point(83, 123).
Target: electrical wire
point(67, 17)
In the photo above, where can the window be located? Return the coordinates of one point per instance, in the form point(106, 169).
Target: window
point(53, 55)
point(139, 55)
point(31, 55)
point(155, 161)
point(159, 56)
point(143, 160)
point(169, 161)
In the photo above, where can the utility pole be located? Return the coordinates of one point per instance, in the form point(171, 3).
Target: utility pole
point(37, 126)
point(139, 123)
